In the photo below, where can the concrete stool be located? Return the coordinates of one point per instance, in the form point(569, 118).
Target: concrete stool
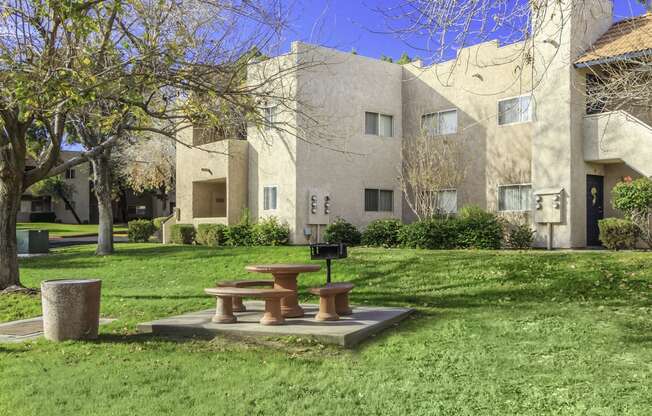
point(328, 310)
point(238, 306)
point(225, 295)
point(71, 309)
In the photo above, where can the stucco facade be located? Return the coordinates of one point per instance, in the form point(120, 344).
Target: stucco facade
point(325, 150)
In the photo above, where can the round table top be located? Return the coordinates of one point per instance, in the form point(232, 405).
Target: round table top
point(283, 268)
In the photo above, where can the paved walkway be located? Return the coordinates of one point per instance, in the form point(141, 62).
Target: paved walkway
point(28, 329)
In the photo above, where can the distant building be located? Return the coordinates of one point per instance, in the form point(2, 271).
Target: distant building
point(127, 206)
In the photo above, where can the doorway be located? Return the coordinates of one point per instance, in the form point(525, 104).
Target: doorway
point(594, 208)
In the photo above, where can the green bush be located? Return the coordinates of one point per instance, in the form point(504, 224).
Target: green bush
point(479, 229)
point(139, 231)
point(240, 235)
point(213, 235)
point(158, 222)
point(634, 198)
point(342, 231)
point(618, 234)
point(182, 234)
point(382, 233)
point(433, 234)
point(520, 236)
point(270, 232)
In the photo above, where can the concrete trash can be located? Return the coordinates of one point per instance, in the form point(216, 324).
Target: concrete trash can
point(71, 309)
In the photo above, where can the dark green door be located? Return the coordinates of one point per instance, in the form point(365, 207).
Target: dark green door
point(594, 208)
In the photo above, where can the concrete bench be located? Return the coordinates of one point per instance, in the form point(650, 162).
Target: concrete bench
point(238, 306)
point(333, 301)
point(225, 295)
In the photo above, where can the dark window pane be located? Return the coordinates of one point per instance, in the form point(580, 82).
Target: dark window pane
point(371, 200)
point(371, 123)
point(386, 202)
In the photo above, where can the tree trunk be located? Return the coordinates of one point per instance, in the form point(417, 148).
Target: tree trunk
point(102, 188)
point(10, 192)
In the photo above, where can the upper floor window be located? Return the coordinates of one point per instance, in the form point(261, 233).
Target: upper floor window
point(439, 123)
point(515, 110)
point(378, 200)
point(269, 117)
point(270, 197)
point(447, 201)
point(70, 173)
point(515, 197)
point(378, 124)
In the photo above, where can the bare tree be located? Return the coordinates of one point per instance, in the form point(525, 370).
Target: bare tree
point(431, 165)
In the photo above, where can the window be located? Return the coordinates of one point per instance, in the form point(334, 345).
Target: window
point(70, 173)
point(378, 124)
point(595, 103)
point(378, 200)
point(137, 210)
point(440, 123)
point(269, 117)
point(270, 195)
point(514, 197)
point(515, 110)
point(447, 201)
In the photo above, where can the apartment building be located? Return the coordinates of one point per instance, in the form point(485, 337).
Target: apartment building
point(534, 149)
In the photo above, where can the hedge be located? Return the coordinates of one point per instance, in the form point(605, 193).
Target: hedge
point(618, 234)
point(139, 231)
point(211, 234)
point(382, 233)
point(182, 234)
point(342, 231)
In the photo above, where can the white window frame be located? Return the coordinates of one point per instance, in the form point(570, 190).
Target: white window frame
point(529, 208)
point(268, 123)
point(379, 114)
point(275, 197)
point(456, 199)
point(70, 174)
point(438, 113)
point(531, 112)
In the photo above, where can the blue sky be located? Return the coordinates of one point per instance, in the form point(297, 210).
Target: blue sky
point(347, 24)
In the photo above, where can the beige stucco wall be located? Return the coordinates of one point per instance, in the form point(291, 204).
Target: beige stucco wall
point(561, 105)
point(341, 160)
point(474, 84)
point(82, 192)
point(205, 165)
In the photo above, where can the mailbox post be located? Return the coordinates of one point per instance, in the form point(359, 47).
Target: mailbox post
point(549, 205)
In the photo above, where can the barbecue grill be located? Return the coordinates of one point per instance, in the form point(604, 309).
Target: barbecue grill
point(328, 252)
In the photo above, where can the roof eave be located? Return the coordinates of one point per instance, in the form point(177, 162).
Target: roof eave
point(610, 59)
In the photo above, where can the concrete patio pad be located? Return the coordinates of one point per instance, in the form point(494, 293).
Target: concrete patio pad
point(347, 332)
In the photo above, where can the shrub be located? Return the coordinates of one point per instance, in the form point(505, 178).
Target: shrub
point(520, 236)
point(634, 198)
point(342, 231)
point(618, 234)
point(211, 234)
point(430, 234)
point(182, 234)
point(270, 232)
point(139, 231)
point(479, 229)
point(382, 233)
point(158, 222)
point(239, 235)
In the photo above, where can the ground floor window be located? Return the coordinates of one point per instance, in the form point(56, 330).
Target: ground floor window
point(378, 200)
point(270, 196)
point(515, 197)
point(447, 201)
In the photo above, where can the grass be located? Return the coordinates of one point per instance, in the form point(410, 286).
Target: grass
point(496, 333)
point(67, 230)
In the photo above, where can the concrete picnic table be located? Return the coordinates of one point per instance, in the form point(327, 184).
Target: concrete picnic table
point(285, 277)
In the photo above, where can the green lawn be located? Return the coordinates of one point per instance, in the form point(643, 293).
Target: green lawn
point(496, 333)
point(67, 230)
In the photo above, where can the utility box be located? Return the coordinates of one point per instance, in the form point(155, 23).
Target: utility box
point(319, 207)
point(548, 205)
point(33, 241)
